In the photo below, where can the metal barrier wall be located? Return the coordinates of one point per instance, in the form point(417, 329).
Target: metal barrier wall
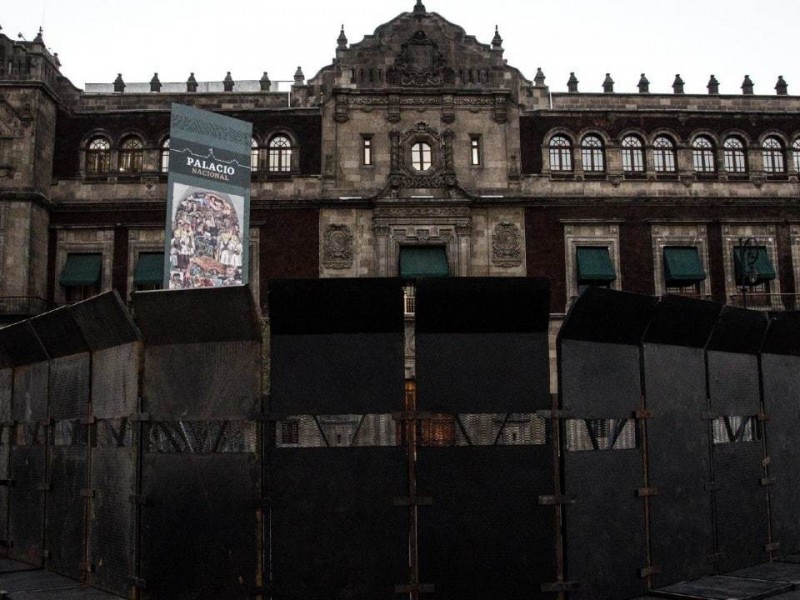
point(68, 440)
point(336, 473)
point(679, 469)
point(601, 387)
point(738, 476)
point(113, 341)
point(201, 478)
point(486, 528)
point(29, 430)
point(780, 367)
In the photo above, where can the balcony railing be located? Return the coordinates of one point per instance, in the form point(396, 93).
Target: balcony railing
point(765, 301)
point(23, 306)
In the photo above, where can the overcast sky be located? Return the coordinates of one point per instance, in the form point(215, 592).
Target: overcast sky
point(96, 39)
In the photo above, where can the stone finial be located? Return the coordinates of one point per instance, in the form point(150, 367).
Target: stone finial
point(55, 59)
point(677, 85)
point(539, 78)
point(782, 88)
point(644, 85)
point(228, 83)
point(155, 84)
point(713, 85)
point(191, 83)
point(119, 85)
point(608, 84)
point(419, 7)
point(299, 77)
point(341, 41)
point(39, 39)
point(747, 86)
point(265, 82)
point(572, 83)
point(497, 41)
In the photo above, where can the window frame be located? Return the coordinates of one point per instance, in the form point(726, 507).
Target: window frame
point(475, 150)
point(734, 157)
point(593, 159)
point(280, 150)
point(560, 152)
point(255, 155)
point(664, 155)
point(163, 162)
point(704, 155)
point(367, 154)
point(633, 160)
point(773, 157)
point(98, 155)
point(130, 159)
point(796, 155)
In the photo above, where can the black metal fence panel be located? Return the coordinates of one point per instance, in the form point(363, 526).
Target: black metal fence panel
point(780, 367)
point(29, 403)
point(485, 535)
point(337, 530)
point(112, 518)
point(26, 503)
point(605, 540)
point(200, 526)
point(115, 381)
point(65, 521)
point(202, 381)
point(682, 536)
point(69, 387)
point(6, 432)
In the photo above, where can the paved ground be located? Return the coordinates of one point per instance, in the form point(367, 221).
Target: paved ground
point(19, 581)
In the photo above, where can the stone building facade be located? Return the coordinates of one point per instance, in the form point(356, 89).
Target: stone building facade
point(417, 140)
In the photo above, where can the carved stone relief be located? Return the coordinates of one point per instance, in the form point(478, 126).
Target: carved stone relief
point(337, 247)
point(506, 245)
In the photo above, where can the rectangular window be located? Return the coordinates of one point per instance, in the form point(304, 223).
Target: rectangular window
point(149, 273)
point(290, 432)
point(366, 151)
point(594, 266)
point(475, 149)
point(81, 276)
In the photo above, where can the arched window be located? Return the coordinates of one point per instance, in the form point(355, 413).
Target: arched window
point(772, 155)
point(130, 155)
point(165, 156)
point(632, 154)
point(421, 156)
point(733, 155)
point(592, 154)
point(280, 154)
point(254, 155)
point(98, 156)
point(560, 153)
point(703, 155)
point(796, 154)
point(663, 155)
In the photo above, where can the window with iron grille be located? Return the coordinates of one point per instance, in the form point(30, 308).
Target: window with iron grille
point(663, 155)
point(632, 154)
point(560, 150)
point(703, 155)
point(592, 154)
point(772, 156)
point(130, 155)
point(98, 156)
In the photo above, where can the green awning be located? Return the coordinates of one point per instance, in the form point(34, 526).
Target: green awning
point(149, 269)
point(756, 257)
point(594, 265)
point(682, 265)
point(423, 261)
point(81, 269)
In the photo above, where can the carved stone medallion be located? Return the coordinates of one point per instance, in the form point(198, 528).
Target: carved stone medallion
point(337, 247)
point(506, 245)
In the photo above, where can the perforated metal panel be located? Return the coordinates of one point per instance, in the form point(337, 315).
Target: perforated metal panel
point(115, 386)
point(69, 387)
point(6, 381)
point(485, 534)
point(30, 393)
point(26, 504)
point(200, 527)
point(66, 508)
point(681, 525)
point(336, 532)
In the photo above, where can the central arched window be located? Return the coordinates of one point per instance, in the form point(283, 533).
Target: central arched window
point(592, 154)
point(131, 151)
point(663, 155)
point(632, 154)
point(703, 155)
point(421, 156)
point(280, 154)
point(733, 155)
point(254, 155)
point(98, 156)
point(560, 153)
point(772, 155)
point(165, 156)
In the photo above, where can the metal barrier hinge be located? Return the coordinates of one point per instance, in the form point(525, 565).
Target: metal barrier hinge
point(555, 414)
point(560, 586)
point(89, 420)
point(138, 582)
point(646, 492)
point(765, 481)
point(142, 417)
point(138, 499)
point(643, 414)
point(554, 499)
point(649, 571)
point(762, 416)
point(48, 422)
point(766, 462)
point(87, 493)
point(420, 588)
point(418, 501)
point(407, 416)
point(772, 547)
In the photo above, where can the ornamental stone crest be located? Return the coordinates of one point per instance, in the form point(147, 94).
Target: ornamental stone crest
point(337, 247)
point(420, 64)
point(506, 245)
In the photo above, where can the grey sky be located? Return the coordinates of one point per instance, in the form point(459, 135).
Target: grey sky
point(96, 39)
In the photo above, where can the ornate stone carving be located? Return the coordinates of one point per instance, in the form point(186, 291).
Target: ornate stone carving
point(337, 247)
point(506, 245)
point(420, 64)
point(480, 101)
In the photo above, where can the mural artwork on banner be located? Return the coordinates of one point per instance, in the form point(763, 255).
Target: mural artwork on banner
point(209, 200)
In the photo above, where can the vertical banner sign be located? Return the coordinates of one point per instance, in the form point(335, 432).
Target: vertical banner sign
point(208, 203)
